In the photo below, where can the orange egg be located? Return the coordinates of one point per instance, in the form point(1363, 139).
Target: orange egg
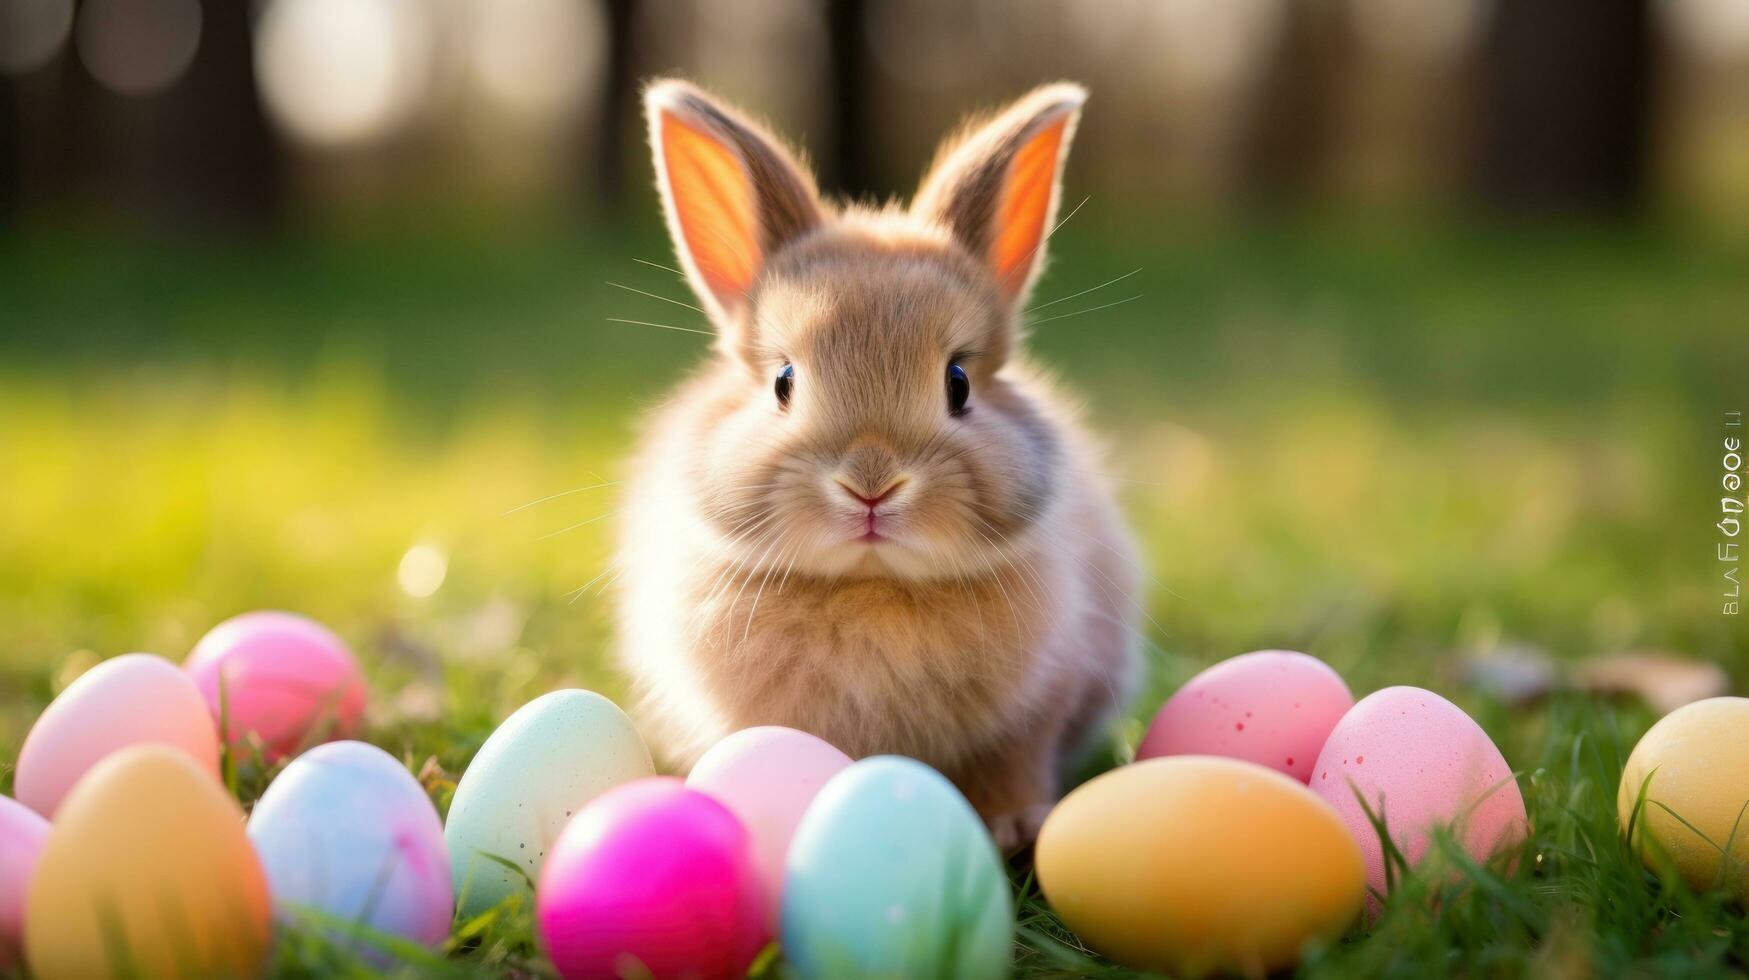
point(147, 872)
point(1195, 865)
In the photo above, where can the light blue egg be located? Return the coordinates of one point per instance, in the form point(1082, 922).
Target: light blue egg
point(348, 832)
point(550, 757)
point(892, 874)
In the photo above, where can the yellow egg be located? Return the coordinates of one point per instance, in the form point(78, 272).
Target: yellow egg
point(147, 872)
point(1197, 864)
point(1698, 759)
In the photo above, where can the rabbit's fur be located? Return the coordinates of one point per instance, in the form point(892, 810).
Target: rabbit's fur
point(988, 630)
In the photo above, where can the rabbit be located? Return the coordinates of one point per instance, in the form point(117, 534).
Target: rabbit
point(867, 517)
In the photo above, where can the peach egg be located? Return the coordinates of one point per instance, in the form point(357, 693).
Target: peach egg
point(1272, 707)
point(1422, 762)
point(147, 873)
point(129, 700)
point(1196, 864)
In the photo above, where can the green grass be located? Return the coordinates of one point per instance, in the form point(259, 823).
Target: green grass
point(1388, 446)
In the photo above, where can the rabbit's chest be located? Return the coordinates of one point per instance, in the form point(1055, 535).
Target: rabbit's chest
point(882, 667)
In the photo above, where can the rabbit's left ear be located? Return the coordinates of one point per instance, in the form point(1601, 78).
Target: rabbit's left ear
point(996, 189)
point(731, 193)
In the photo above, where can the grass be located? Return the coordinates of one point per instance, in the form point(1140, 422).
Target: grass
point(1389, 446)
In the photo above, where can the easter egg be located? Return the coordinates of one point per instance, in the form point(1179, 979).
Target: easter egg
point(129, 700)
point(652, 878)
point(348, 831)
point(1697, 759)
point(1420, 761)
point(147, 872)
point(892, 874)
point(1272, 707)
point(767, 777)
point(22, 833)
point(548, 759)
point(285, 678)
point(1199, 864)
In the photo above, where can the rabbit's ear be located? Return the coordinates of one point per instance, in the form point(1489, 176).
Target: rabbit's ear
point(731, 193)
point(996, 187)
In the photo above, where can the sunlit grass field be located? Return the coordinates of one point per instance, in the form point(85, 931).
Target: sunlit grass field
point(1389, 446)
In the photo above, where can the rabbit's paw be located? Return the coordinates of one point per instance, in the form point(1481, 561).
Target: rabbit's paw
point(1015, 830)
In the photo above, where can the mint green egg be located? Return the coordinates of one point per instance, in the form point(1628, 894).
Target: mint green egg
point(892, 874)
point(550, 757)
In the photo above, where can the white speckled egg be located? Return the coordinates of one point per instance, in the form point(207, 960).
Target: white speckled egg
point(550, 757)
point(348, 831)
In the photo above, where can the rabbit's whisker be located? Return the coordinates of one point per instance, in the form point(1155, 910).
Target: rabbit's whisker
point(1064, 299)
point(1090, 309)
point(664, 268)
point(555, 496)
point(665, 299)
point(573, 527)
point(577, 593)
point(664, 326)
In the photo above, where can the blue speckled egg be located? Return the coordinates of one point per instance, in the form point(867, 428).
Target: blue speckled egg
point(892, 874)
point(550, 757)
point(347, 831)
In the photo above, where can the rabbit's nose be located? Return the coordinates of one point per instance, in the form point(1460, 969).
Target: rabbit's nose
point(874, 500)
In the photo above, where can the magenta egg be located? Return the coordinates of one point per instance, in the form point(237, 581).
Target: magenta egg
point(1271, 707)
point(652, 876)
point(286, 678)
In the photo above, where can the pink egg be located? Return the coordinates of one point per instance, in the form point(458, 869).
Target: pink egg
point(133, 699)
point(286, 678)
point(1424, 763)
point(1272, 707)
point(22, 833)
point(767, 777)
point(652, 873)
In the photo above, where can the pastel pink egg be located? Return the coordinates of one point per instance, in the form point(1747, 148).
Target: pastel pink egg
point(1272, 707)
point(22, 833)
point(133, 699)
point(286, 678)
point(652, 876)
point(1423, 763)
point(767, 776)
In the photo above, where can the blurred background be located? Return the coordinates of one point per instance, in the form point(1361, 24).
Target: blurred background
point(1426, 315)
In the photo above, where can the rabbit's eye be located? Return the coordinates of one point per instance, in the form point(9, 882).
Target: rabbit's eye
point(959, 388)
point(786, 380)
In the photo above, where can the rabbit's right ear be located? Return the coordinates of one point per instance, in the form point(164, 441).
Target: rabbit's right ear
point(732, 195)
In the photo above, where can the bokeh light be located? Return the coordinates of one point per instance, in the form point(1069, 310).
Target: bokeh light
point(422, 570)
point(1715, 29)
point(535, 59)
point(335, 72)
point(138, 47)
point(32, 32)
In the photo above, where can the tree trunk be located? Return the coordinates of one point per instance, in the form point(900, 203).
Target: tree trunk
point(848, 169)
point(1566, 110)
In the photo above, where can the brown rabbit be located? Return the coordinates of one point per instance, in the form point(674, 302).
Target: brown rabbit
point(865, 517)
